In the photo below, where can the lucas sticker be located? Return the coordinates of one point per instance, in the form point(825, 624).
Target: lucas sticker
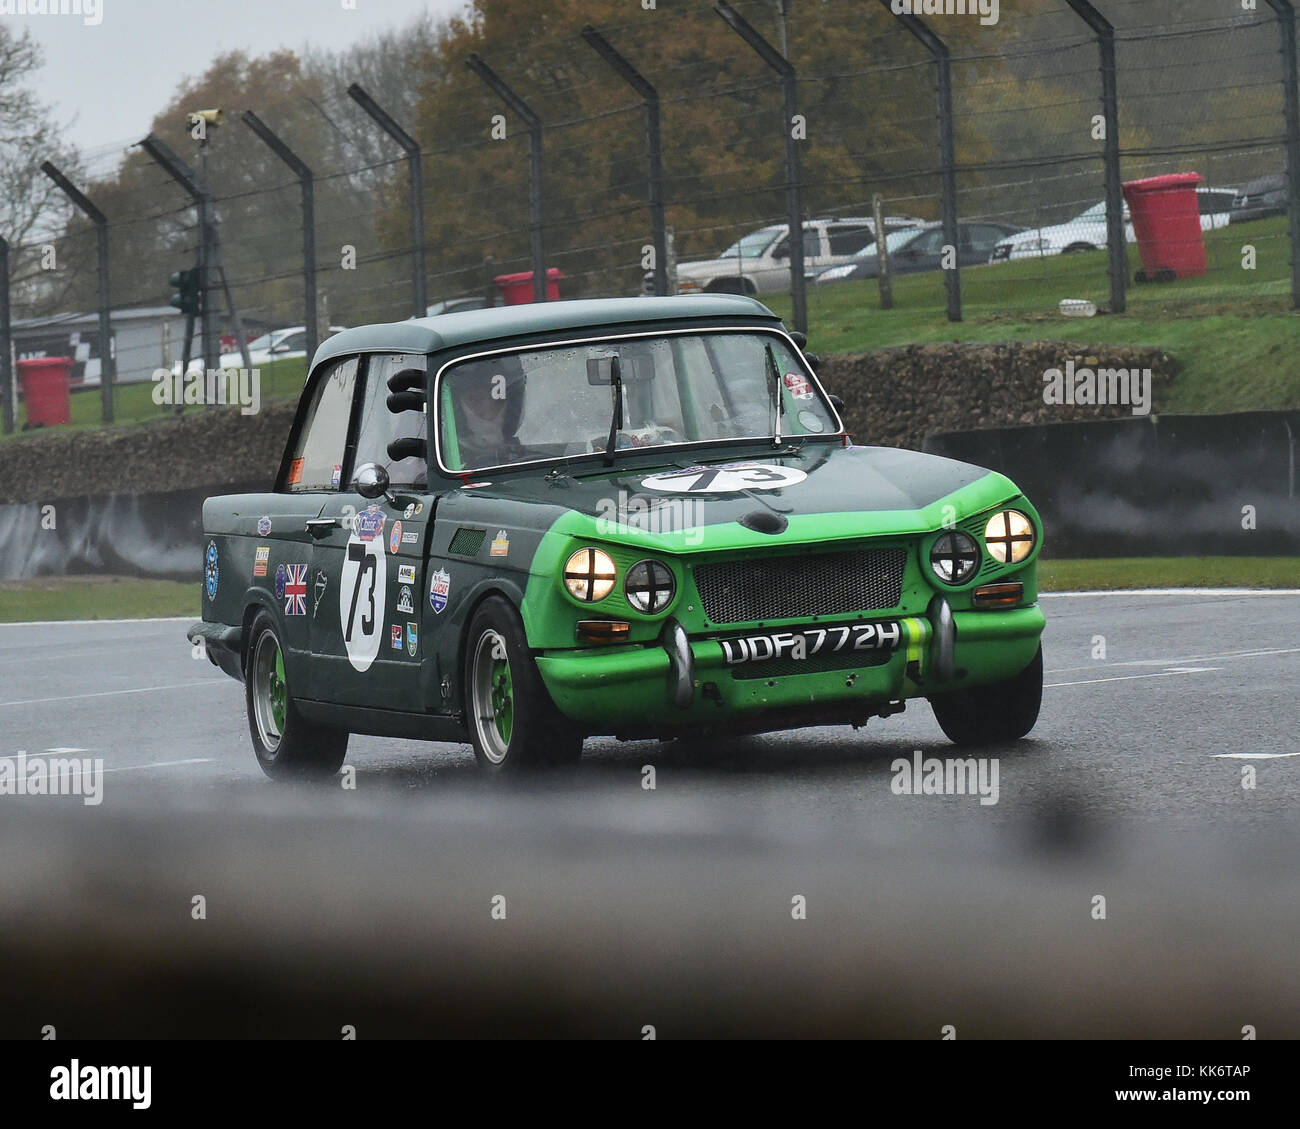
point(439, 590)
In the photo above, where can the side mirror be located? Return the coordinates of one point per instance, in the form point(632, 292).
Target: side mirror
point(800, 339)
point(279, 348)
point(813, 360)
point(836, 403)
point(371, 481)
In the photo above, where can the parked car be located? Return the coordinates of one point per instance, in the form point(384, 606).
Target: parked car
point(458, 305)
point(921, 249)
point(759, 262)
point(278, 345)
point(1087, 231)
point(629, 516)
point(1260, 199)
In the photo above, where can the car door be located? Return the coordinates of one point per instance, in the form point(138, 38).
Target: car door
point(775, 273)
point(978, 241)
point(367, 564)
point(922, 253)
point(282, 549)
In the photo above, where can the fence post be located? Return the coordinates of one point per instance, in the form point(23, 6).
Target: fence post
point(185, 176)
point(419, 295)
point(793, 179)
point(1116, 250)
point(1291, 94)
point(535, 196)
point(307, 183)
point(947, 151)
point(107, 354)
point(654, 150)
point(6, 349)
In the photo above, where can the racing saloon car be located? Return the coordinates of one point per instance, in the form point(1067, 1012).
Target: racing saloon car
point(639, 517)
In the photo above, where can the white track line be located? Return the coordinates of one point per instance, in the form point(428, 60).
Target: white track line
point(92, 622)
point(1175, 592)
point(1177, 661)
point(1126, 678)
point(111, 693)
point(1252, 756)
point(160, 764)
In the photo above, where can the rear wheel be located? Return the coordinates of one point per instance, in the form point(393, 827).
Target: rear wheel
point(512, 722)
point(285, 743)
point(991, 715)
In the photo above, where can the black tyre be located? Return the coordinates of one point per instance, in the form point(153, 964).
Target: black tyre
point(285, 743)
point(512, 722)
point(991, 715)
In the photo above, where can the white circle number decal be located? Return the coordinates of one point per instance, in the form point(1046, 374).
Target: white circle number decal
point(361, 598)
point(729, 478)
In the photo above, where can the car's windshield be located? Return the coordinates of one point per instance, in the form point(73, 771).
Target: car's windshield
point(752, 245)
point(894, 241)
point(263, 342)
point(558, 402)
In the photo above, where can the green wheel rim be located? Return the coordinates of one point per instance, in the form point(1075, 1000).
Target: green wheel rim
point(492, 695)
point(277, 694)
point(503, 699)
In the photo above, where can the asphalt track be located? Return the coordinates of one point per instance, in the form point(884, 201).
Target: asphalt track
point(672, 907)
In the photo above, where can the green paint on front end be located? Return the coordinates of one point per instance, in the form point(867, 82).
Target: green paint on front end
point(628, 688)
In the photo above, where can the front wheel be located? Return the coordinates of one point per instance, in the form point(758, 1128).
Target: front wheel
point(285, 743)
point(513, 723)
point(992, 715)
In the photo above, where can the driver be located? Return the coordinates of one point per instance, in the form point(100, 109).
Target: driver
point(489, 404)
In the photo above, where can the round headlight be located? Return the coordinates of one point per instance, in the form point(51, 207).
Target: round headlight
point(954, 556)
point(1009, 536)
point(590, 575)
point(649, 586)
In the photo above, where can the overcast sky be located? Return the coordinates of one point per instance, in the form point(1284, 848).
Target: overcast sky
point(115, 76)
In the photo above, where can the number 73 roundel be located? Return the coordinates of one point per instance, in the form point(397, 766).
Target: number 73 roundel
point(361, 594)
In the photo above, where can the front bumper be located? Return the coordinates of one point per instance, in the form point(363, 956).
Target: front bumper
point(683, 683)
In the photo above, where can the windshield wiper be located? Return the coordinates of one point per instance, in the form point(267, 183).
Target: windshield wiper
point(778, 405)
point(616, 420)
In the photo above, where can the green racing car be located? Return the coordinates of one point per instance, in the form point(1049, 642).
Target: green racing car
point(640, 517)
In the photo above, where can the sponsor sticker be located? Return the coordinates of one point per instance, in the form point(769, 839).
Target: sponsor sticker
point(395, 538)
point(397, 637)
point(725, 478)
point(798, 385)
point(410, 537)
point(211, 570)
point(475, 485)
point(409, 512)
point(322, 583)
point(439, 590)
point(335, 476)
point(404, 601)
point(279, 582)
point(295, 589)
point(799, 646)
point(419, 508)
point(412, 638)
point(500, 544)
point(406, 574)
point(261, 557)
point(295, 471)
point(263, 526)
point(370, 523)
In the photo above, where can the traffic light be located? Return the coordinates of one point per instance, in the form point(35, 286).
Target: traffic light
point(188, 296)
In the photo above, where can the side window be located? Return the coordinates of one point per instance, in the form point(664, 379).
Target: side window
point(849, 240)
point(983, 237)
point(379, 426)
point(812, 245)
point(931, 243)
point(1212, 203)
point(294, 343)
point(318, 457)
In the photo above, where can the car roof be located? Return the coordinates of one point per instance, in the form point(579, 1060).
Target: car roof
point(468, 327)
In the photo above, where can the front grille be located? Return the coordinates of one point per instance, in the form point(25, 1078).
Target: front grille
point(752, 591)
